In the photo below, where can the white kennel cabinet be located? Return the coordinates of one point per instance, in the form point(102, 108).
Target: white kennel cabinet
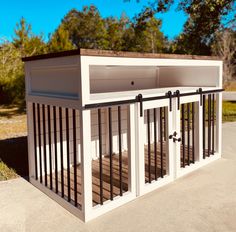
point(106, 127)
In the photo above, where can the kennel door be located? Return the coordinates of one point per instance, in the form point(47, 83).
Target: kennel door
point(187, 139)
point(155, 156)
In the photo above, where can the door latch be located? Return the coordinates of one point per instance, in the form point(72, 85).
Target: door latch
point(174, 137)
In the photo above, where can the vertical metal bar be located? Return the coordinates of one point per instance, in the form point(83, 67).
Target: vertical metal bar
point(100, 155)
point(44, 148)
point(161, 140)
point(68, 153)
point(35, 143)
point(203, 126)
point(120, 151)
point(213, 124)
point(164, 125)
point(188, 133)
point(155, 141)
point(183, 133)
point(61, 151)
point(39, 138)
point(110, 151)
point(209, 124)
point(55, 146)
point(49, 145)
point(149, 146)
point(75, 156)
point(193, 133)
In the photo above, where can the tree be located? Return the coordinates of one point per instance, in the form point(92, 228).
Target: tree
point(28, 43)
point(148, 37)
point(115, 30)
point(11, 71)
point(224, 47)
point(205, 18)
point(86, 28)
point(60, 40)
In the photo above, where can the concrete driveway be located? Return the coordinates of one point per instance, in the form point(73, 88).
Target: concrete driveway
point(202, 201)
point(229, 96)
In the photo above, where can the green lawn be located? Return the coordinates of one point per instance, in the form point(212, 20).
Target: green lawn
point(229, 111)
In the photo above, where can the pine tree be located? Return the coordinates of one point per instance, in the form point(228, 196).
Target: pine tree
point(60, 41)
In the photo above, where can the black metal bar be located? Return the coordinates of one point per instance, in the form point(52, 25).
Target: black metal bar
point(35, 143)
point(49, 145)
point(161, 141)
point(155, 141)
point(129, 101)
point(149, 146)
point(61, 151)
point(100, 155)
point(44, 148)
point(120, 151)
point(203, 125)
point(183, 133)
point(200, 92)
point(140, 100)
point(188, 133)
point(213, 124)
point(169, 94)
point(68, 153)
point(209, 124)
point(110, 152)
point(203, 92)
point(164, 124)
point(75, 156)
point(39, 138)
point(177, 93)
point(193, 132)
point(55, 146)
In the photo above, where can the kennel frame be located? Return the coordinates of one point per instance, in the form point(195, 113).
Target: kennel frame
point(81, 60)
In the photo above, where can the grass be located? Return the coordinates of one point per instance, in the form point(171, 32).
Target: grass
point(231, 86)
point(12, 122)
point(12, 125)
point(6, 173)
point(229, 111)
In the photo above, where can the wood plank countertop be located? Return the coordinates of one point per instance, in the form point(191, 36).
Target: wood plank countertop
point(110, 53)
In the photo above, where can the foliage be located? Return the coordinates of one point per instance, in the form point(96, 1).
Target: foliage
point(116, 32)
point(86, 28)
point(229, 111)
point(205, 17)
point(203, 34)
point(224, 46)
point(60, 41)
point(26, 41)
point(11, 71)
point(148, 37)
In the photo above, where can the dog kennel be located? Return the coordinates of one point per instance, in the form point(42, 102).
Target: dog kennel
point(106, 127)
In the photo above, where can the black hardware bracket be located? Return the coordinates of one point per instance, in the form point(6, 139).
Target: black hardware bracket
point(200, 92)
point(169, 95)
point(140, 100)
point(177, 94)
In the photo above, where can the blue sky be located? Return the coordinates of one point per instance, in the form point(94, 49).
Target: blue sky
point(46, 15)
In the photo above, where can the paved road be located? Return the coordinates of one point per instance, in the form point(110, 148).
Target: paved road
point(202, 201)
point(229, 96)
